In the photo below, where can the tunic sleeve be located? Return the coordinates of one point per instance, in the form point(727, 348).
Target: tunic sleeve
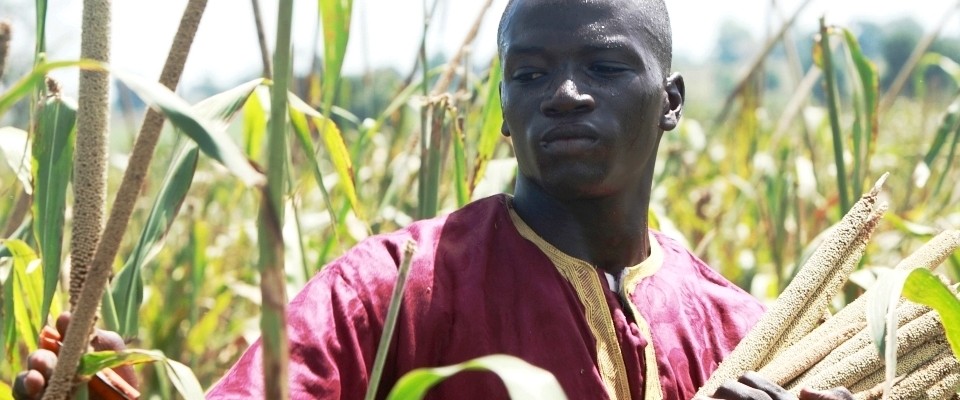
point(333, 329)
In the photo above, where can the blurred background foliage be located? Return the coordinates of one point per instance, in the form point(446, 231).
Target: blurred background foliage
point(749, 180)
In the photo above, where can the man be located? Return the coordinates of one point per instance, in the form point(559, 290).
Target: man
point(565, 274)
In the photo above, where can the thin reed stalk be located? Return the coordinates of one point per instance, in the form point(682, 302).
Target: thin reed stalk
point(84, 311)
point(390, 323)
point(273, 321)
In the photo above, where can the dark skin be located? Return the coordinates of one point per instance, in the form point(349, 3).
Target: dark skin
point(30, 384)
point(586, 103)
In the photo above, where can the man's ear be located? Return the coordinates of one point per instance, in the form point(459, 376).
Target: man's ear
point(673, 104)
point(504, 130)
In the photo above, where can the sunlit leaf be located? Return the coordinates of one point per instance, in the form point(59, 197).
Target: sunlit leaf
point(213, 142)
point(336, 15)
point(301, 112)
point(128, 287)
point(492, 121)
point(24, 291)
point(179, 375)
point(920, 286)
point(254, 126)
point(24, 87)
point(6, 392)
point(522, 380)
point(16, 150)
point(52, 164)
point(866, 110)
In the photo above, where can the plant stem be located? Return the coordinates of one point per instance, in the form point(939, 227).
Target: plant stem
point(84, 312)
point(390, 323)
point(273, 322)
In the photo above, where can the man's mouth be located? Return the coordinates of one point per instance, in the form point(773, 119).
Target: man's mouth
point(571, 138)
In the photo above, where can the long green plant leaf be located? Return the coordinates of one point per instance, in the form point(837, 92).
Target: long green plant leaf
point(14, 144)
point(52, 168)
point(178, 374)
point(24, 87)
point(522, 380)
point(128, 288)
point(23, 299)
point(919, 286)
point(866, 99)
point(212, 140)
point(492, 121)
point(301, 112)
point(824, 58)
point(254, 126)
point(460, 178)
point(336, 15)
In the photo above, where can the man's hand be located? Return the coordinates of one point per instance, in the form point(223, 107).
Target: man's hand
point(31, 384)
point(753, 386)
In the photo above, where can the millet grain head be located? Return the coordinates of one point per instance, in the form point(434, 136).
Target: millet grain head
point(866, 361)
point(757, 344)
point(905, 365)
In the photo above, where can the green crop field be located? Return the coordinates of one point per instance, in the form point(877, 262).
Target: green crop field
point(247, 194)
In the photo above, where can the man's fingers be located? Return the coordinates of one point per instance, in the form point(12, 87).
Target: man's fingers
point(28, 385)
point(107, 340)
point(831, 394)
point(43, 361)
point(63, 321)
point(733, 390)
point(757, 381)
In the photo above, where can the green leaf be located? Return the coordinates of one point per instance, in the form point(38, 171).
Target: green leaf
point(301, 114)
point(460, 179)
point(179, 375)
point(254, 126)
point(52, 168)
point(866, 110)
point(920, 286)
point(923, 287)
point(24, 87)
point(213, 140)
point(16, 150)
point(6, 392)
point(523, 380)
point(335, 15)
point(94, 361)
point(24, 293)
point(492, 121)
point(128, 289)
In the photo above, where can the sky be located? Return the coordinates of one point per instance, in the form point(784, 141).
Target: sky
point(387, 32)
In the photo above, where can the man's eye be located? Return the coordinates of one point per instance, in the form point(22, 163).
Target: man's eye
point(526, 76)
point(608, 69)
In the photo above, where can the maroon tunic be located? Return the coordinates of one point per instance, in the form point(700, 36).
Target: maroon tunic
point(482, 283)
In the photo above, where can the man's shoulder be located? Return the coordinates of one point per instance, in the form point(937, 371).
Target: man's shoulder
point(683, 267)
point(378, 257)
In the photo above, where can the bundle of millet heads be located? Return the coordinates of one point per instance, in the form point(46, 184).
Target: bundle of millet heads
point(793, 346)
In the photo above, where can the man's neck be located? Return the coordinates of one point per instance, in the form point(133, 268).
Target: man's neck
point(608, 232)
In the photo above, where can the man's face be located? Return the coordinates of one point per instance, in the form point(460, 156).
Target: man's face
point(583, 96)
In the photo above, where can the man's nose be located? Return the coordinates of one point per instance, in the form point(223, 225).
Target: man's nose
point(567, 98)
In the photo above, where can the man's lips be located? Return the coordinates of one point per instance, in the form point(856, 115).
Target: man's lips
point(569, 138)
point(569, 133)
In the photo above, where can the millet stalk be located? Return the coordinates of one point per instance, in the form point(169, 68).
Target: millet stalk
point(84, 311)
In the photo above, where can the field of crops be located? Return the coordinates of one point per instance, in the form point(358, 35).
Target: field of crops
point(247, 194)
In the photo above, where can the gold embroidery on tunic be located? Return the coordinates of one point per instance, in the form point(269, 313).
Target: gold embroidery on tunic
point(586, 283)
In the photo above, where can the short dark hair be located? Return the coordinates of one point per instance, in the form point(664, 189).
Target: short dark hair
point(656, 26)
